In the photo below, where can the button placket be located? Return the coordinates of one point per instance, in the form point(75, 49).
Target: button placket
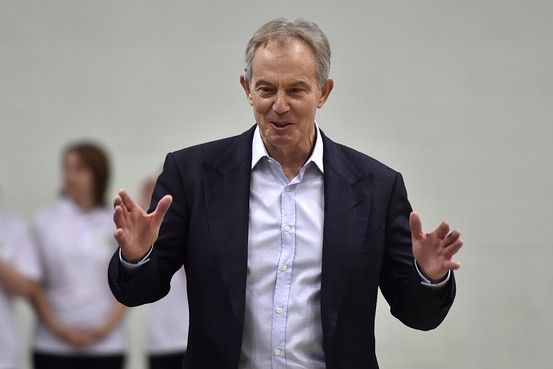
point(284, 277)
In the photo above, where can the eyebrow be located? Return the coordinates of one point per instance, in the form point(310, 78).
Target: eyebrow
point(301, 84)
point(262, 82)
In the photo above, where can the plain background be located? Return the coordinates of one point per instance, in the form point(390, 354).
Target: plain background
point(456, 95)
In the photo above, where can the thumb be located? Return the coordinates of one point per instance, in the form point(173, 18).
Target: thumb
point(161, 208)
point(416, 225)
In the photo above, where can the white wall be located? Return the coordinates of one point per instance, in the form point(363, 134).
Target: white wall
point(457, 95)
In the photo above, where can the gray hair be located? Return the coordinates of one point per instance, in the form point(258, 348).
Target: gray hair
point(282, 30)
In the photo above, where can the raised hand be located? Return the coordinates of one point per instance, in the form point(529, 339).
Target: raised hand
point(136, 229)
point(434, 251)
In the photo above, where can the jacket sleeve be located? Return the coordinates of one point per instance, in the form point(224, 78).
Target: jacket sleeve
point(151, 281)
point(416, 305)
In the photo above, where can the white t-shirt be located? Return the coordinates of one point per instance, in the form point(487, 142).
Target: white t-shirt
point(74, 249)
point(16, 250)
point(168, 319)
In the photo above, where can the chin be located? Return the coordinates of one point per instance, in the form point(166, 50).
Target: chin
point(281, 140)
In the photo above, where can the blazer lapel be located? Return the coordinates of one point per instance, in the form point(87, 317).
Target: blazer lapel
point(347, 205)
point(227, 191)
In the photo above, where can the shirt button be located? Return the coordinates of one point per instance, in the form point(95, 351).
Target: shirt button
point(279, 310)
point(278, 352)
point(288, 228)
point(284, 268)
point(288, 188)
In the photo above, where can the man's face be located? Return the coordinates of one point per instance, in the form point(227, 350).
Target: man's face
point(285, 94)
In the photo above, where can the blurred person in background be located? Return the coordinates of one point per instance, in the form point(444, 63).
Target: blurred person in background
point(167, 324)
point(81, 323)
point(17, 278)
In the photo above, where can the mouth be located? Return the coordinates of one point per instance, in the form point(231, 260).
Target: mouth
point(280, 125)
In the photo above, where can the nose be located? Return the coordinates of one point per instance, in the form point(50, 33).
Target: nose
point(280, 105)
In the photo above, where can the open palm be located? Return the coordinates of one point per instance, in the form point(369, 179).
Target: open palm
point(136, 229)
point(434, 251)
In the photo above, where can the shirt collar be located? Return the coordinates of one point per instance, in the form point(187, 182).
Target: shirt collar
point(259, 151)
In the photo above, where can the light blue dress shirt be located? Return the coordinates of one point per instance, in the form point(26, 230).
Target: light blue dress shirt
point(282, 326)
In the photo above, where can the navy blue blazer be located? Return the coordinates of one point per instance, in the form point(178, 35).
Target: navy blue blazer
point(366, 246)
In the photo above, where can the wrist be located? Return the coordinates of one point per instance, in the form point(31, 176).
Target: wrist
point(134, 259)
point(59, 330)
point(131, 266)
point(101, 331)
point(435, 277)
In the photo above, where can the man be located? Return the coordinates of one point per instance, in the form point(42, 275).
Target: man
point(285, 236)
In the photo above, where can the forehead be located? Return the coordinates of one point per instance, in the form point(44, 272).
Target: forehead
point(72, 158)
point(71, 155)
point(288, 59)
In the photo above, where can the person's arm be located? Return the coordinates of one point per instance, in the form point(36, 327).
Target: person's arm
point(113, 319)
point(77, 337)
point(165, 227)
point(417, 305)
point(46, 314)
point(14, 282)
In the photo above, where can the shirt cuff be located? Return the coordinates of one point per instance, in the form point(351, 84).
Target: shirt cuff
point(427, 282)
point(133, 266)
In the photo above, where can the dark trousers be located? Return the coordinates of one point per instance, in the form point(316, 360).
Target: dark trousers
point(49, 361)
point(166, 361)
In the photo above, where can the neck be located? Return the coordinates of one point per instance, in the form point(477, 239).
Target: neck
point(85, 205)
point(292, 159)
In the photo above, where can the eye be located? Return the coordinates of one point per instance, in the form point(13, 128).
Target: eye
point(265, 90)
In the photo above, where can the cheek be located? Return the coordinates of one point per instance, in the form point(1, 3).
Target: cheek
point(68, 177)
point(66, 184)
point(84, 180)
point(88, 181)
point(307, 112)
point(261, 107)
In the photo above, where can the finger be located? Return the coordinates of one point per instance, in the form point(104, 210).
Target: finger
point(416, 225)
point(119, 235)
point(451, 265)
point(453, 249)
point(119, 218)
point(117, 201)
point(452, 237)
point(161, 208)
point(122, 209)
point(442, 230)
point(127, 201)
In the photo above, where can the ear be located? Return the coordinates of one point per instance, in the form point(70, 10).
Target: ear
point(325, 92)
point(246, 86)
